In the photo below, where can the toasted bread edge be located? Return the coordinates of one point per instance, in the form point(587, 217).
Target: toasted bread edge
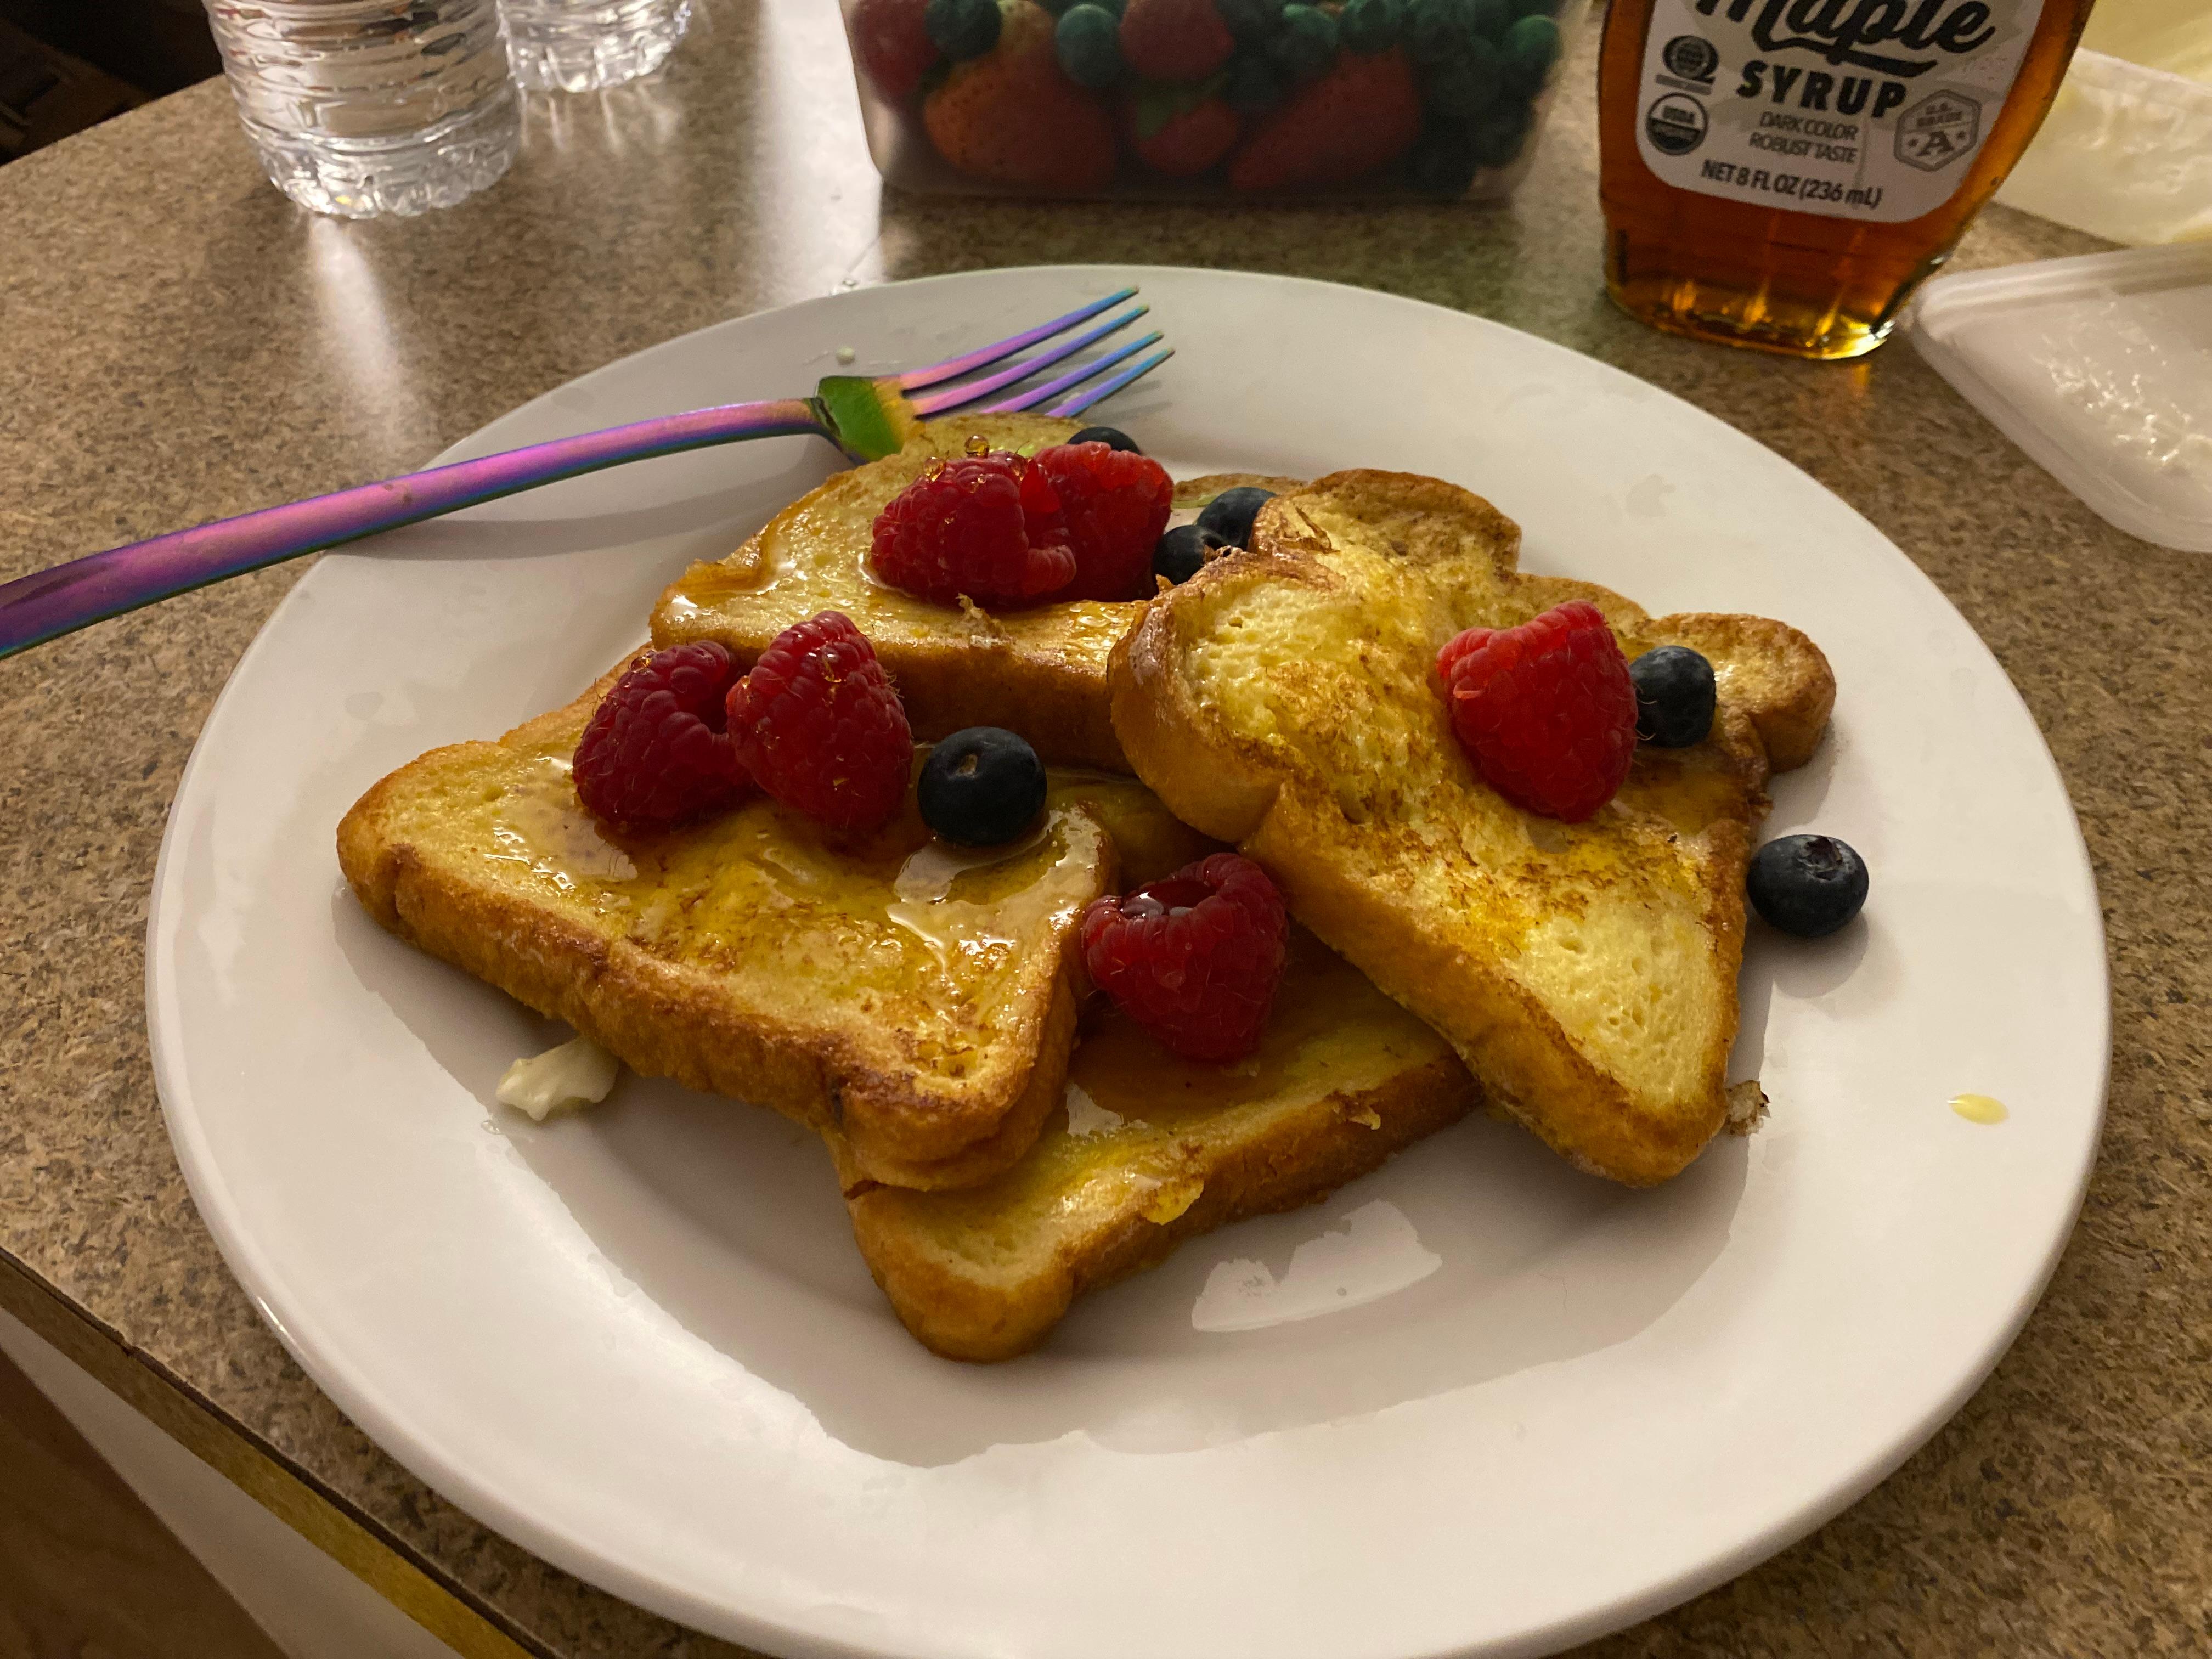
point(662, 1021)
point(1302, 1159)
point(1223, 785)
point(1056, 696)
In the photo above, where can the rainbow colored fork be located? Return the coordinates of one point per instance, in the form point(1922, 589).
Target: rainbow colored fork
point(862, 416)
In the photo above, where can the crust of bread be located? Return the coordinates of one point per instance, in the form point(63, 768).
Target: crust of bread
point(1696, 808)
point(671, 1013)
point(1167, 1150)
point(1300, 1158)
point(1041, 672)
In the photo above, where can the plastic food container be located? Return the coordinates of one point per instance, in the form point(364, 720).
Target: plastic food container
point(1235, 98)
point(2098, 367)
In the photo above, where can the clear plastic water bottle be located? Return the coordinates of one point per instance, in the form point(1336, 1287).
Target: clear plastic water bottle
point(360, 107)
point(576, 46)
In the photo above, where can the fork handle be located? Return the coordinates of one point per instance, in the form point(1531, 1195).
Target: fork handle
point(67, 597)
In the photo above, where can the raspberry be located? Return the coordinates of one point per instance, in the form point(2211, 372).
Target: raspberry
point(890, 39)
point(1115, 504)
point(1194, 959)
point(820, 726)
point(1546, 711)
point(656, 749)
point(985, 526)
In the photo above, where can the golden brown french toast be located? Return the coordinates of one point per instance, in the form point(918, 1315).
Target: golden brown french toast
point(760, 957)
point(1150, 1150)
point(1041, 672)
point(918, 1003)
point(1285, 699)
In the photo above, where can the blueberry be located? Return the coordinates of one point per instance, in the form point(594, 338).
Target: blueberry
point(1088, 41)
point(1490, 18)
point(1112, 436)
point(1307, 43)
point(1061, 7)
point(962, 29)
point(1465, 86)
point(1230, 514)
point(1183, 552)
point(1371, 25)
point(1531, 46)
point(1255, 84)
point(1496, 137)
point(980, 787)
point(1674, 697)
point(1437, 29)
point(1807, 886)
point(1441, 161)
point(1250, 20)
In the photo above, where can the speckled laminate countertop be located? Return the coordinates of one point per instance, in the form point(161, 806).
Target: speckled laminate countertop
point(180, 343)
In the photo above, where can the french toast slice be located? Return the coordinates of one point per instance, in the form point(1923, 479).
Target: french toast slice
point(1149, 1150)
point(917, 1003)
point(480, 854)
point(1285, 699)
point(1041, 671)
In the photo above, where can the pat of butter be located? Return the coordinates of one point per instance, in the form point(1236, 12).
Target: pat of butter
point(577, 1073)
point(1086, 1117)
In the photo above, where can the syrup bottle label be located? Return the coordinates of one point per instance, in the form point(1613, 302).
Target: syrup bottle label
point(1854, 109)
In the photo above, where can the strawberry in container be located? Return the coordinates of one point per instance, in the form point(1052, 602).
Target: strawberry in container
point(1183, 98)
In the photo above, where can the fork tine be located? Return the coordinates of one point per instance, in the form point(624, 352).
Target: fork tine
point(959, 396)
point(915, 379)
point(1075, 377)
point(1099, 394)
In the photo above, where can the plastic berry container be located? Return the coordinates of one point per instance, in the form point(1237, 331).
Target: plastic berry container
point(1241, 99)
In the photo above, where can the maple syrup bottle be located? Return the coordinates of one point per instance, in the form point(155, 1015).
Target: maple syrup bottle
point(1784, 173)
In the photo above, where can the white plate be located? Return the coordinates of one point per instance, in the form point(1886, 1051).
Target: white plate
point(641, 1342)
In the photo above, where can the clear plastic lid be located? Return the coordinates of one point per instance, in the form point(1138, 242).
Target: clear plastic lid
point(2100, 367)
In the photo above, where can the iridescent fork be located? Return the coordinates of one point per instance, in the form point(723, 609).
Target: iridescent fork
point(860, 416)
